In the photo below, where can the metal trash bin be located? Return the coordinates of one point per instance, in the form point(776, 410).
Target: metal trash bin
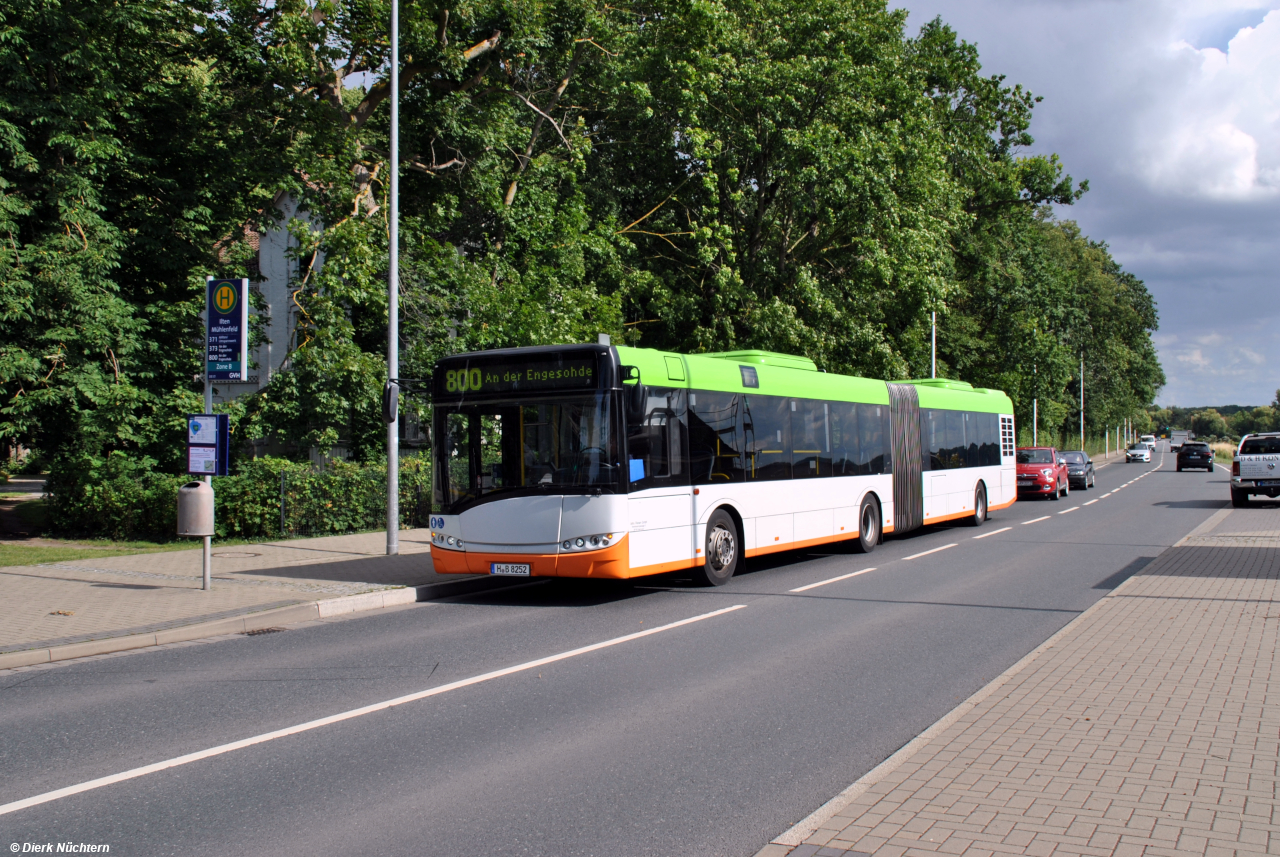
point(195, 509)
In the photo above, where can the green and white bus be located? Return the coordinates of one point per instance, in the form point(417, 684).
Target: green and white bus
point(616, 462)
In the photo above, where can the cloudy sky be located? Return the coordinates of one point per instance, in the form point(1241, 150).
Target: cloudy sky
point(1172, 111)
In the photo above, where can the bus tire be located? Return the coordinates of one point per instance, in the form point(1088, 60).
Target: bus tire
point(979, 506)
point(722, 550)
point(868, 525)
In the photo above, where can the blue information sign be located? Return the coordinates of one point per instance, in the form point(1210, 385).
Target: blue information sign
point(208, 444)
point(227, 330)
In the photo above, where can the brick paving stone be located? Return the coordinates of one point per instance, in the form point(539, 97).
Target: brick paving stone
point(1148, 729)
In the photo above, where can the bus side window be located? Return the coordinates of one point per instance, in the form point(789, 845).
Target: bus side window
point(655, 446)
point(933, 436)
point(845, 441)
point(715, 438)
point(953, 448)
point(988, 439)
point(873, 442)
point(768, 441)
point(810, 439)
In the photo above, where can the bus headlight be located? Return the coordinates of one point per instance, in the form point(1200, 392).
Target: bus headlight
point(593, 542)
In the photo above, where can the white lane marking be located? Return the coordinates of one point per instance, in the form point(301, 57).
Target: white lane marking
point(1034, 520)
point(926, 553)
point(345, 715)
point(994, 532)
point(1072, 509)
point(1091, 502)
point(832, 580)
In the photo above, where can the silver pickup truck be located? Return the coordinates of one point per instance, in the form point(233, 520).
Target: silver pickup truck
point(1255, 468)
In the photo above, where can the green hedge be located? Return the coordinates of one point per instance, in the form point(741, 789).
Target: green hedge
point(123, 498)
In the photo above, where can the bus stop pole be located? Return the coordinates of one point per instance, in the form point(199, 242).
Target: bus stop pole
point(393, 291)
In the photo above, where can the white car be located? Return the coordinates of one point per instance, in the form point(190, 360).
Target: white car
point(1138, 452)
point(1149, 440)
point(1255, 468)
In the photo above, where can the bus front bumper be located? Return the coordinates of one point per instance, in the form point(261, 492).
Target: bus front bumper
point(611, 563)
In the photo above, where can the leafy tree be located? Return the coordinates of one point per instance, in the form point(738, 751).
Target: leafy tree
point(706, 176)
point(778, 181)
point(1209, 423)
point(497, 240)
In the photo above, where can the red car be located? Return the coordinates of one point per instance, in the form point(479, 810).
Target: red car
point(1042, 470)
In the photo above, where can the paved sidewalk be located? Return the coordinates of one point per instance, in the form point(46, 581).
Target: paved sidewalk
point(1147, 726)
point(95, 598)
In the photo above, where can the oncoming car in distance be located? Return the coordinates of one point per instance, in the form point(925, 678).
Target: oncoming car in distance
point(1138, 452)
point(1043, 472)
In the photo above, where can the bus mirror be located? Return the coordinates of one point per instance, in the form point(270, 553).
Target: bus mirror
point(629, 373)
point(635, 397)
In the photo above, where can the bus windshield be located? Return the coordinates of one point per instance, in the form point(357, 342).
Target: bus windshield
point(506, 447)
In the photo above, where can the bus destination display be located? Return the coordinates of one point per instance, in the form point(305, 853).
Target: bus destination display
point(512, 377)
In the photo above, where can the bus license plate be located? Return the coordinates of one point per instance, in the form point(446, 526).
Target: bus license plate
point(511, 569)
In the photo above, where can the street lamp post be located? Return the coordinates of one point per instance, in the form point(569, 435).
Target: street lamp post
point(393, 292)
point(1082, 401)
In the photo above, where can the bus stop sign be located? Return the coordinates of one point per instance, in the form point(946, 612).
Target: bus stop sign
point(227, 329)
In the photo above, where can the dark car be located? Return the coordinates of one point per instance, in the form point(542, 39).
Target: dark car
point(1195, 454)
point(1079, 469)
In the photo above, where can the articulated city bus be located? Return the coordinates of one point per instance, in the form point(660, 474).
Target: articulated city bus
point(614, 462)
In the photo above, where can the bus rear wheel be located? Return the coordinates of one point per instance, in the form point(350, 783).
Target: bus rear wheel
point(868, 525)
point(979, 506)
point(721, 551)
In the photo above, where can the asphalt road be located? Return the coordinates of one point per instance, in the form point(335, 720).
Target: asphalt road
point(708, 738)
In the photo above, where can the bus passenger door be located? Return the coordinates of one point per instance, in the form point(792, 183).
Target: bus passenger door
point(660, 501)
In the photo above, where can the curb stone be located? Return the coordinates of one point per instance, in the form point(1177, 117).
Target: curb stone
point(250, 621)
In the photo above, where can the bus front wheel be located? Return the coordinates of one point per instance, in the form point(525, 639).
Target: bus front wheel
point(868, 525)
point(721, 551)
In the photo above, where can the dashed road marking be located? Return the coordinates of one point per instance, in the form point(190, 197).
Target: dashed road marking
point(832, 580)
point(994, 532)
point(926, 553)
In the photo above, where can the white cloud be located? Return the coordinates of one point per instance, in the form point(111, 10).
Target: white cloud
point(1209, 126)
point(1171, 109)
